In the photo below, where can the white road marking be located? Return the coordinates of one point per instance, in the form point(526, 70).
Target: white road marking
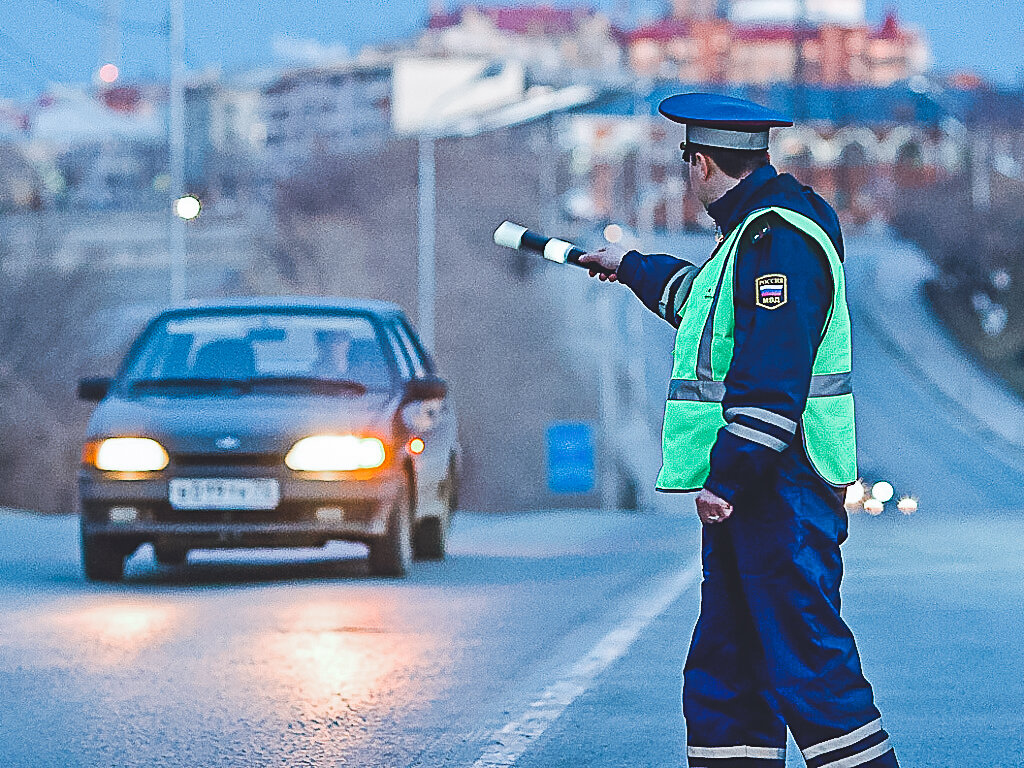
point(514, 739)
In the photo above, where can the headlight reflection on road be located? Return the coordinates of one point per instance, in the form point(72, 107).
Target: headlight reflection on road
point(110, 633)
point(326, 653)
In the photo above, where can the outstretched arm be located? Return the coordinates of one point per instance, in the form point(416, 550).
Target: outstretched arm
point(660, 281)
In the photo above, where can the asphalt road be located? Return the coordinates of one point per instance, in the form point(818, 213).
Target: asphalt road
point(243, 660)
point(546, 639)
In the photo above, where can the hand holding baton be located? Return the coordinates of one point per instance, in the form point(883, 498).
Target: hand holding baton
point(520, 238)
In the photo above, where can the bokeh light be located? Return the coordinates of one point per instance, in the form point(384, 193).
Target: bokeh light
point(109, 73)
point(187, 207)
point(873, 507)
point(613, 233)
point(855, 494)
point(907, 505)
point(882, 491)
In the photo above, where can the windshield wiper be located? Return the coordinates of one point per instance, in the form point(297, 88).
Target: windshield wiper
point(315, 382)
point(184, 382)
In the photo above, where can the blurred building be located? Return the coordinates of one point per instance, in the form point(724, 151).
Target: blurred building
point(762, 43)
point(336, 109)
point(224, 136)
point(107, 148)
point(550, 41)
point(95, 149)
point(14, 120)
point(861, 148)
point(694, 9)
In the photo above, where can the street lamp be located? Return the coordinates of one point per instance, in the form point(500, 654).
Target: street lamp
point(187, 207)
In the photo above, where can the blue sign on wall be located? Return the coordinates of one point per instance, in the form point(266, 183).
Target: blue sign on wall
point(570, 457)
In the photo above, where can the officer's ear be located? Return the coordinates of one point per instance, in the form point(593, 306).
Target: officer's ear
point(705, 166)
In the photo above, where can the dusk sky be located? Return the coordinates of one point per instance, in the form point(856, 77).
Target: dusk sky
point(59, 40)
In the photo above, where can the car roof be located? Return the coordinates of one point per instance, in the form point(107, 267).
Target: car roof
point(276, 303)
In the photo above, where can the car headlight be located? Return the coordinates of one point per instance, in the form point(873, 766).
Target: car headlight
point(335, 453)
point(127, 454)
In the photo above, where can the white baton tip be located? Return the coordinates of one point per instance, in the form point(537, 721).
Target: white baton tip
point(509, 235)
point(557, 250)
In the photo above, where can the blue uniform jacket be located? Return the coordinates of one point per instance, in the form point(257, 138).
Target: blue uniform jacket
point(767, 384)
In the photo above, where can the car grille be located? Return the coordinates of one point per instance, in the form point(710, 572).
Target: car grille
point(227, 459)
point(285, 513)
point(354, 511)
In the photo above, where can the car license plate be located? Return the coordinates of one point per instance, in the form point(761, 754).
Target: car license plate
point(217, 493)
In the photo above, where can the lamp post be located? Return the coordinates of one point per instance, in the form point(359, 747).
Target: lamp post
point(176, 149)
point(426, 213)
point(426, 282)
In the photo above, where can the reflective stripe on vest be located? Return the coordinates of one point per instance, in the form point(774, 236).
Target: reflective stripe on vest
point(703, 354)
point(825, 385)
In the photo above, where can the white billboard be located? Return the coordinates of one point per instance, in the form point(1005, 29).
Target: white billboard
point(429, 93)
point(842, 12)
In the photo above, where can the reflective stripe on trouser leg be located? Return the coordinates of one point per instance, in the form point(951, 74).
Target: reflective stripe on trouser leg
point(864, 746)
point(736, 756)
point(731, 719)
point(786, 540)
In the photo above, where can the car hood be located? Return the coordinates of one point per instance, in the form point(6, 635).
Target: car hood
point(253, 423)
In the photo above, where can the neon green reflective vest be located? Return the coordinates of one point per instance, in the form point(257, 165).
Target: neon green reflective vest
point(703, 354)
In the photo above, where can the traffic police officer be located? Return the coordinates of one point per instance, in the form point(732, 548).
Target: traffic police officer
point(760, 421)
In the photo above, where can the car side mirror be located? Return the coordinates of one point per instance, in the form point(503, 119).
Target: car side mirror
point(94, 389)
point(426, 388)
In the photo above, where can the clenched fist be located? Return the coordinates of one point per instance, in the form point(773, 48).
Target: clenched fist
point(711, 508)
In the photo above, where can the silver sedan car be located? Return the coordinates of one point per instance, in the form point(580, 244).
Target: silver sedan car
point(270, 423)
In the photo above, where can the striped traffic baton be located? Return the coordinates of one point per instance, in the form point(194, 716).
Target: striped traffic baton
point(520, 238)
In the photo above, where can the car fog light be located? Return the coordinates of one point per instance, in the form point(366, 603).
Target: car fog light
point(123, 514)
point(416, 446)
point(330, 515)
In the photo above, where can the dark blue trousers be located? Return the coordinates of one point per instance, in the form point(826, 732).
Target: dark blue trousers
point(770, 649)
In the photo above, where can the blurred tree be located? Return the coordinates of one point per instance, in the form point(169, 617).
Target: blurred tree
point(980, 256)
point(44, 341)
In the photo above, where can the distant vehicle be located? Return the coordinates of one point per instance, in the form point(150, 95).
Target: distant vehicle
point(273, 422)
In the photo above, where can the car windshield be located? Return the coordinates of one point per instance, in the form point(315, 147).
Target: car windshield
point(238, 352)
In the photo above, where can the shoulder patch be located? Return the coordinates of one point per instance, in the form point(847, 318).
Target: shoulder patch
point(771, 291)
